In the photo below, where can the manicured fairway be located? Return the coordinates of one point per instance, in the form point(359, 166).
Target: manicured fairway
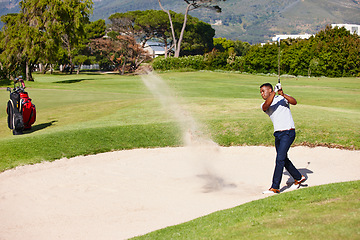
point(91, 113)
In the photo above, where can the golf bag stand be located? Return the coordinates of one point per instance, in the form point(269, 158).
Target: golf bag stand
point(21, 111)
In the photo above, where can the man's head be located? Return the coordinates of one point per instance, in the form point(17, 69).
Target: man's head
point(265, 90)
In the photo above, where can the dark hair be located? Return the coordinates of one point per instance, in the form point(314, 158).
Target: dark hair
point(267, 85)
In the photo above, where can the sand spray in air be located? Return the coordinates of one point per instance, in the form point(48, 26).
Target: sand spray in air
point(201, 147)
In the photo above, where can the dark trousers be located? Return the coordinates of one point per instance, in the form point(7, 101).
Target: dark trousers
point(283, 141)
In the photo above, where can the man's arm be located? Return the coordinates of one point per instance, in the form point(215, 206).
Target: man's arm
point(268, 101)
point(290, 99)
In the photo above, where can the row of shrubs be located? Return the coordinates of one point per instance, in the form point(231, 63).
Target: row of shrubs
point(223, 61)
point(211, 61)
point(333, 52)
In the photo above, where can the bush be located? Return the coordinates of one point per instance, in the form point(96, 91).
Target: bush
point(331, 52)
point(211, 61)
point(171, 63)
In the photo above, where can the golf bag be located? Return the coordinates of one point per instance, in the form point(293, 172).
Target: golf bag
point(21, 111)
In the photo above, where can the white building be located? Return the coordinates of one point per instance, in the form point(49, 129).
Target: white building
point(286, 36)
point(217, 23)
point(353, 28)
point(155, 49)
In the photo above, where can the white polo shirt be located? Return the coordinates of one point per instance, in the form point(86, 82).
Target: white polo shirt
point(280, 114)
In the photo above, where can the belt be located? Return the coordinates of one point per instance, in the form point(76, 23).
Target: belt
point(286, 130)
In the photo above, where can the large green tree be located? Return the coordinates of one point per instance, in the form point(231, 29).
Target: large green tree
point(71, 19)
point(83, 53)
point(23, 42)
point(145, 25)
point(35, 34)
point(11, 45)
point(197, 37)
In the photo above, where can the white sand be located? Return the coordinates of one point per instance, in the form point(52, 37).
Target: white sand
point(123, 194)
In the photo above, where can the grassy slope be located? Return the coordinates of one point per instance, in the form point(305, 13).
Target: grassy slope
point(323, 212)
point(87, 114)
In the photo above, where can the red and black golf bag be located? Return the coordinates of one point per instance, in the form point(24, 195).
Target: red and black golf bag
point(21, 111)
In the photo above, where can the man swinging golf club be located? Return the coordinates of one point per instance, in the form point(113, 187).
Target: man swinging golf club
point(278, 109)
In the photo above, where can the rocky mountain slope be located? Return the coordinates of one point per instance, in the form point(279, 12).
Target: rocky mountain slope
point(251, 21)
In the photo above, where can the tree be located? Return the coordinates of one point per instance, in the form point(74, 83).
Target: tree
point(332, 52)
point(241, 48)
point(198, 37)
point(70, 21)
point(262, 59)
point(12, 45)
point(34, 35)
point(191, 5)
point(122, 51)
point(238, 47)
point(83, 53)
point(22, 43)
point(145, 25)
point(95, 29)
point(338, 52)
point(223, 44)
point(155, 24)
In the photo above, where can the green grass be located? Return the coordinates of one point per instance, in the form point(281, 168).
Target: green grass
point(35, 149)
point(321, 212)
point(93, 113)
point(229, 104)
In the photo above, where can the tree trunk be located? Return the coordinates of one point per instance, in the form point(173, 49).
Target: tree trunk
point(28, 71)
point(122, 71)
point(171, 26)
point(177, 50)
point(71, 68)
point(165, 50)
point(44, 68)
point(78, 70)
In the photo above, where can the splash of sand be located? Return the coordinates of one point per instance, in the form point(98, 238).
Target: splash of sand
point(168, 99)
point(203, 150)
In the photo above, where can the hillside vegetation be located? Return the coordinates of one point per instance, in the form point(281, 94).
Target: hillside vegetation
point(251, 21)
point(255, 20)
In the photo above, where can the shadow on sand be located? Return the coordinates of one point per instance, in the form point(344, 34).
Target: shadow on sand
point(214, 183)
point(290, 181)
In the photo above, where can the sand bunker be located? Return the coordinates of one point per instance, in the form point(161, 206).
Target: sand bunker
point(123, 194)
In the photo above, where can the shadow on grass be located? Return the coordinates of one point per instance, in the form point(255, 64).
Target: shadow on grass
point(39, 127)
point(73, 80)
point(5, 82)
point(95, 72)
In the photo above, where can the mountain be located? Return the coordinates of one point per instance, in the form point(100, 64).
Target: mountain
point(252, 21)
point(9, 6)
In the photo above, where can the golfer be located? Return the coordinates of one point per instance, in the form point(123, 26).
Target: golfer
point(278, 109)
